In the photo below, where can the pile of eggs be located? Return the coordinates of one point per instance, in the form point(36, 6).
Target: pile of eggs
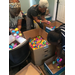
point(52, 28)
point(58, 61)
point(12, 46)
point(16, 33)
point(37, 42)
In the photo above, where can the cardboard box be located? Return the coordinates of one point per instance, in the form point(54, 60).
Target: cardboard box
point(43, 53)
point(55, 23)
point(52, 69)
point(29, 69)
point(20, 40)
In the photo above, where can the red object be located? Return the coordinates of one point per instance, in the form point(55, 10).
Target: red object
point(55, 53)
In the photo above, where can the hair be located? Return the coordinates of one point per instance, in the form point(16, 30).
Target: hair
point(43, 3)
point(54, 36)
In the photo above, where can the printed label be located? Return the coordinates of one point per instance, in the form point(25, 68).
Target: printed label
point(46, 47)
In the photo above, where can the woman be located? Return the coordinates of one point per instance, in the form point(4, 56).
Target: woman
point(57, 38)
point(37, 13)
point(15, 16)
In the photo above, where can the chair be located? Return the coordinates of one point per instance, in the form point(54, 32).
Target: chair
point(18, 55)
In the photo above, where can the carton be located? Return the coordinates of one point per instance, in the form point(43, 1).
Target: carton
point(40, 54)
point(55, 23)
point(52, 69)
point(13, 39)
point(29, 69)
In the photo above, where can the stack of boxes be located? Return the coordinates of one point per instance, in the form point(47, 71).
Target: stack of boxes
point(40, 48)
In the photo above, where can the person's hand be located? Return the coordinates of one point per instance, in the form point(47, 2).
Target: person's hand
point(19, 31)
point(11, 31)
point(57, 58)
point(48, 22)
point(62, 63)
point(17, 34)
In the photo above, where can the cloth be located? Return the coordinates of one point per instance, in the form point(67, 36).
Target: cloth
point(14, 5)
point(62, 27)
point(33, 11)
point(13, 21)
point(30, 22)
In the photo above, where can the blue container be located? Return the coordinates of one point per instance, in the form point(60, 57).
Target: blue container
point(50, 72)
point(49, 18)
point(48, 69)
point(48, 29)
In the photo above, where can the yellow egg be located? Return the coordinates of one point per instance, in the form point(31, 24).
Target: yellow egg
point(33, 48)
point(38, 46)
point(20, 34)
point(39, 36)
point(58, 66)
point(33, 44)
point(56, 27)
point(34, 38)
point(16, 29)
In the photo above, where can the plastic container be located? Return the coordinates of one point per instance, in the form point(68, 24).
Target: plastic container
point(49, 18)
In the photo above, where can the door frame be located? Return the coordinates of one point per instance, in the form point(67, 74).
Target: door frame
point(57, 11)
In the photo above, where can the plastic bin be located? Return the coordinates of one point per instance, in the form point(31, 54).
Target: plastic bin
point(49, 18)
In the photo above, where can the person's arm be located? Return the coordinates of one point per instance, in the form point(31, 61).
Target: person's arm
point(58, 48)
point(59, 55)
point(19, 24)
point(62, 63)
point(43, 18)
point(39, 21)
